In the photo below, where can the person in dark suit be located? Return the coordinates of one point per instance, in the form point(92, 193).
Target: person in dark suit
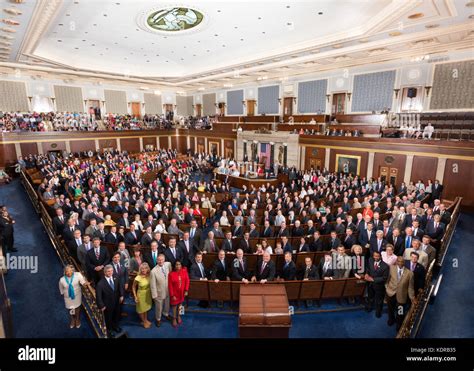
point(376, 276)
point(379, 243)
point(288, 271)
point(283, 231)
point(59, 221)
point(220, 270)
point(419, 272)
point(96, 259)
point(197, 270)
point(365, 236)
point(253, 232)
point(227, 243)
point(112, 237)
point(325, 268)
point(417, 231)
point(324, 228)
point(267, 230)
point(303, 246)
point(151, 257)
point(124, 221)
point(316, 244)
point(245, 243)
point(434, 228)
point(132, 237)
point(172, 253)
point(309, 271)
point(349, 240)
point(187, 250)
point(120, 271)
point(109, 297)
point(397, 241)
point(285, 244)
point(237, 230)
point(298, 230)
point(7, 231)
point(436, 190)
point(240, 268)
point(146, 238)
point(333, 242)
point(195, 234)
point(68, 231)
point(265, 269)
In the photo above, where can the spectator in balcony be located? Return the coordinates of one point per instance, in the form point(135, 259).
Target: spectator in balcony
point(428, 131)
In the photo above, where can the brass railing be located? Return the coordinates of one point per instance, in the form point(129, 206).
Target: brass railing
point(5, 309)
point(94, 315)
point(415, 315)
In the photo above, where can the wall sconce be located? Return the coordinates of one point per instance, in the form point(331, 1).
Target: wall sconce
point(427, 90)
point(279, 101)
point(216, 105)
point(175, 106)
point(328, 96)
point(349, 96)
point(103, 102)
point(52, 99)
point(30, 98)
point(294, 100)
point(396, 93)
point(244, 103)
point(129, 104)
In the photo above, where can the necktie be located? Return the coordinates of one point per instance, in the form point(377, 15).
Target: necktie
point(408, 242)
point(394, 240)
point(111, 283)
point(154, 258)
point(163, 271)
point(242, 264)
point(306, 273)
point(380, 243)
point(174, 252)
point(192, 233)
point(412, 267)
point(212, 246)
point(263, 267)
point(202, 271)
point(117, 268)
point(436, 226)
point(223, 264)
point(97, 253)
point(400, 271)
point(376, 266)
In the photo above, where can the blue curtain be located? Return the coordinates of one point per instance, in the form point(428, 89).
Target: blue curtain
point(234, 102)
point(312, 96)
point(268, 100)
point(373, 91)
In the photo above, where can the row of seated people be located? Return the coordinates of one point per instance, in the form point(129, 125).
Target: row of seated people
point(332, 132)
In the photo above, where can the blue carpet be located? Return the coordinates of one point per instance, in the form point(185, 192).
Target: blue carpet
point(38, 308)
point(451, 314)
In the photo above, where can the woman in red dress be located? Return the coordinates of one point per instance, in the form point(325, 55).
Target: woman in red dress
point(178, 283)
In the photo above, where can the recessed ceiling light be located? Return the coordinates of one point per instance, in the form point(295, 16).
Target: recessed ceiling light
point(259, 18)
point(287, 7)
point(320, 13)
point(95, 24)
point(236, 27)
point(60, 41)
point(415, 15)
point(84, 40)
point(147, 61)
point(218, 10)
point(68, 15)
point(76, 48)
point(105, 15)
point(216, 34)
point(208, 50)
point(395, 33)
point(263, 32)
point(60, 24)
point(117, 3)
point(241, 39)
point(167, 61)
point(432, 25)
point(223, 46)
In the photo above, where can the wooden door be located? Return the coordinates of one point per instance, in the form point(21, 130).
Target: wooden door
point(251, 107)
point(388, 174)
point(288, 106)
point(412, 99)
point(94, 108)
point(315, 163)
point(136, 109)
point(198, 110)
point(338, 103)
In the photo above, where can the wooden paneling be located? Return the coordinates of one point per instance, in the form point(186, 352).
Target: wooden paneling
point(7, 155)
point(182, 144)
point(29, 148)
point(391, 161)
point(130, 144)
point(458, 176)
point(192, 143)
point(361, 119)
point(54, 146)
point(174, 142)
point(364, 156)
point(107, 143)
point(306, 118)
point(82, 145)
point(149, 141)
point(424, 168)
point(314, 155)
point(164, 143)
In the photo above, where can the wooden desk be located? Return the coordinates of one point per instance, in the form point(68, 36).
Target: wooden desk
point(239, 182)
point(263, 311)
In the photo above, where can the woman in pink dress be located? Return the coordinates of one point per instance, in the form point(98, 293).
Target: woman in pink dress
point(178, 283)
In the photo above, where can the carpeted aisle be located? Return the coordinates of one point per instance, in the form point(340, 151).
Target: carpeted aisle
point(451, 314)
point(38, 308)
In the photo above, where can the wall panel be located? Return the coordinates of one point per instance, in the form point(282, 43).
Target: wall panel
point(390, 160)
point(424, 168)
point(82, 145)
point(458, 176)
point(130, 144)
point(29, 148)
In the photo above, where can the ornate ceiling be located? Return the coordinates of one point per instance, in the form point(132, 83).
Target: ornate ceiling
point(211, 44)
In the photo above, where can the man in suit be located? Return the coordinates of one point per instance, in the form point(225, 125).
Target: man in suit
point(120, 271)
point(133, 236)
point(112, 237)
point(399, 288)
point(197, 270)
point(74, 244)
point(288, 272)
point(317, 243)
point(376, 277)
point(220, 271)
point(436, 190)
point(159, 289)
point(416, 247)
point(419, 272)
point(267, 230)
point(227, 243)
point(386, 229)
point(325, 269)
point(82, 251)
point(284, 231)
point(333, 242)
point(434, 228)
point(210, 245)
point(147, 237)
point(109, 297)
point(237, 230)
point(245, 243)
point(68, 232)
point(172, 253)
point(265, 269)
point(349, 239)
point(339, 227)
point(151, 257)
point(298, 230)
point(195, 234)
point(187, 250)
point(428, 249)
point(367, 235)
point(59, 221)
point(397, 241)
point(417, 231)
point(240, 268)
point(253, 232)
point(342, 263)
point(309, 271)
point(324, 228)
point(379, 243)
point(96, 259)
point(216, 229)
point(285, 244)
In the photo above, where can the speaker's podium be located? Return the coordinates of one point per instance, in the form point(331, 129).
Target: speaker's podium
point(263, 311)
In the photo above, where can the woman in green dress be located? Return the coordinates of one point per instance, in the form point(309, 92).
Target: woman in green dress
point(142, 293)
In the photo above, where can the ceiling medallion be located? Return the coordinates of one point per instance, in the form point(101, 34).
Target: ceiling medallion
point(171, 20)
point(416, 16)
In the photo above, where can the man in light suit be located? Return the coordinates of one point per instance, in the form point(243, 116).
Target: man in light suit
point(416, 247)
point(159, 289)
point(400, 287)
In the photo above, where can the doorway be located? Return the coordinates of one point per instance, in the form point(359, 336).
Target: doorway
point(251, 107)
point(136, 109)
point(198, 108)
point(338, 104)
point(388, 174)
point(168, 110)
point(94, 109)
point(288, 106)
point(412, 99)
point(314, 163)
